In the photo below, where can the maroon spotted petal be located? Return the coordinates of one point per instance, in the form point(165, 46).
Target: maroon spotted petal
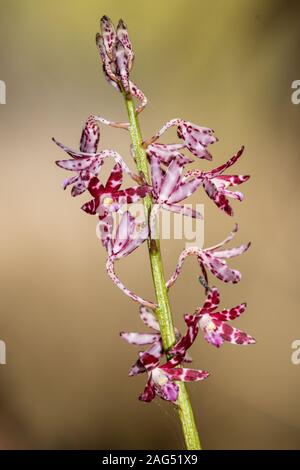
point(196, 138)
point(148, 393)
point(217, 185)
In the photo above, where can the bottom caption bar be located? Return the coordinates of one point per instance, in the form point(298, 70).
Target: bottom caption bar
point(133, 459)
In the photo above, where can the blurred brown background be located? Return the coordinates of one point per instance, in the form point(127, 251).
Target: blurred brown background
point(227, 64)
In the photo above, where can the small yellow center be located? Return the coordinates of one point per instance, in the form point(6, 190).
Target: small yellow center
point(107, 201)
point(210, 327)
point(206, 323)
point(159, 377)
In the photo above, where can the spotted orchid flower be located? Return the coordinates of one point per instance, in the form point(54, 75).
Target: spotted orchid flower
point(213, 324)
point(216, 184)
point(128, 237)
point(168, 188)
point(117, 58)
point(87, 162)
point(82, 162)
point(162, 379)
point(213, 260)
point(110, 197)
point(155, 351)
point(196, 138)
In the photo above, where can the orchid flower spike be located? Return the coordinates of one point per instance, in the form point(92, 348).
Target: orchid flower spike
point(164, 349)
point(213, 324)
point(196, 138)
point(117, 57)
point(213, 260)
point(153, 353)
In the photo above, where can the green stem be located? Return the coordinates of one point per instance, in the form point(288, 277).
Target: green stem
point(163, 311)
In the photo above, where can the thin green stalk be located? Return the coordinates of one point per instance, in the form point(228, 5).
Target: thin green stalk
point(163, 311)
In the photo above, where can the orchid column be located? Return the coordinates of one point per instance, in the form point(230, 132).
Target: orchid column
point(161, 186)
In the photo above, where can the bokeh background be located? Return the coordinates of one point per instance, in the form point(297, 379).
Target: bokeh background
point(227, 64)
